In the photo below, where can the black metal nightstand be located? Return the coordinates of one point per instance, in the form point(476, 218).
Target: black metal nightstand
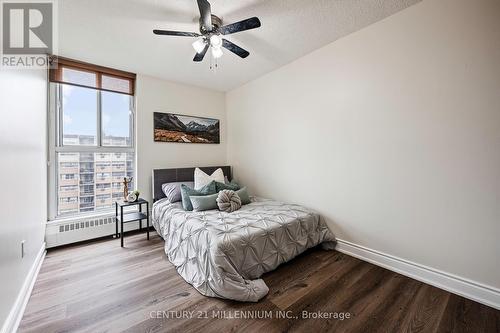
point(131, 216)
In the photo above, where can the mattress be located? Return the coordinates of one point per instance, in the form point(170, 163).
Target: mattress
point(225, 254)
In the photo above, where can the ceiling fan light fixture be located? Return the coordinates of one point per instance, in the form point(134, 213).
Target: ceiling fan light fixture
point(217, 52)
point(212, 34)
point(215, 41)
point(199, 45)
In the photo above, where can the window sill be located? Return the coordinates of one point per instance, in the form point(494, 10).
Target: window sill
point(80, 217)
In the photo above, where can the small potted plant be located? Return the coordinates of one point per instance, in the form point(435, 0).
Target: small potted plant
point(137, 193)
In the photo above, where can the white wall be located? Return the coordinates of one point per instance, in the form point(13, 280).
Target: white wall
point(156, 95)
point(23, 177)
point(392, 133)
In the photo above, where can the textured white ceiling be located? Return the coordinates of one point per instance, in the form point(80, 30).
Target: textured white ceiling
point(118, 33)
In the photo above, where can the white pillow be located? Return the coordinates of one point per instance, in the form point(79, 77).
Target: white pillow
point(201, 179)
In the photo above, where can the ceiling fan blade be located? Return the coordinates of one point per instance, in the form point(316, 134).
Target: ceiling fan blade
point(235, 48)
point(175, 33)
point(199, 56)
point(205, 14)
point(247, 24)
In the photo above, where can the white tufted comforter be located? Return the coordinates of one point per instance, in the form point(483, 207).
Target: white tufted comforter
point(224, 254)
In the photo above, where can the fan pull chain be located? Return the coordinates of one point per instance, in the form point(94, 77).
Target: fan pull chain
point(214, 65)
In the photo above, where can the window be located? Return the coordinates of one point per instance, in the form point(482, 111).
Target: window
point(67, 176)
point(115, 119)
point(91, 137)
point(79, 115)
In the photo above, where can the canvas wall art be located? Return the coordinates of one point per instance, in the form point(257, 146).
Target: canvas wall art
point(170, 127)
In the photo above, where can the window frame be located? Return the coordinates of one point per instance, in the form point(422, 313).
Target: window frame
point(55, 133)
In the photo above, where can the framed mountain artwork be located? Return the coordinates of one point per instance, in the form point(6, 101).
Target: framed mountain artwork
point(170, 127)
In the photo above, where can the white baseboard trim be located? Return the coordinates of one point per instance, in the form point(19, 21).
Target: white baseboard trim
point(464, 287)
point(16, 313)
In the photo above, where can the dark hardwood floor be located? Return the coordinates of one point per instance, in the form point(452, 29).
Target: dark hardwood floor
point(101, 287)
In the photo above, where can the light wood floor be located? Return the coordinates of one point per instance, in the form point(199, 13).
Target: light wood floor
point(101, 287)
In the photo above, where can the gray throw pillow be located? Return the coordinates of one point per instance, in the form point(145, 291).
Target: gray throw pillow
point(173, 190)
point(204, 202)
point(243, 194)
point(187, 191)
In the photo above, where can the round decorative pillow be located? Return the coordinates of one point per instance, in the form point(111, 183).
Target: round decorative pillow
point(228, 201)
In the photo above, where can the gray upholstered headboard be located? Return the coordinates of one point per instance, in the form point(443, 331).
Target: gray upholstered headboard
point(162, 176)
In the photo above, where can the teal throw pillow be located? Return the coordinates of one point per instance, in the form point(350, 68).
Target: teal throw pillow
point(187, 191)
point(243, 194)
point(228, 186)
point(204, 202)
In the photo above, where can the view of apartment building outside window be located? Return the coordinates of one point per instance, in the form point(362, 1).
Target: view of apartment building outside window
point(90, 182)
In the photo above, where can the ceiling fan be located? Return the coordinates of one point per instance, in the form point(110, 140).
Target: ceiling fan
point(211, 29)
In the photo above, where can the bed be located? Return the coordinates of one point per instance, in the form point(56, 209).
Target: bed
point(225, 254)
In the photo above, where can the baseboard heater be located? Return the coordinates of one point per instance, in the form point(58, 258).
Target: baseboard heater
point(67, 232)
